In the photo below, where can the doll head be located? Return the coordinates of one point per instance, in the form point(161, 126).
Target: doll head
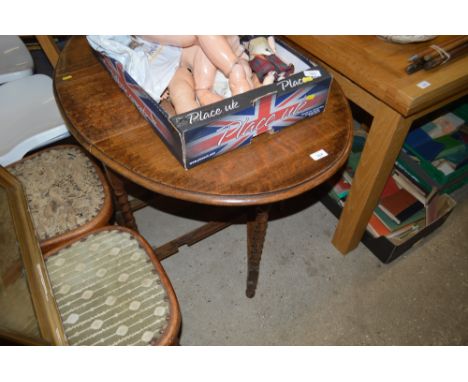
point(259, 46)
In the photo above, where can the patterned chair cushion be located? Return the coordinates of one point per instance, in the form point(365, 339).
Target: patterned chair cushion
point(63, 190)
point(107, 291)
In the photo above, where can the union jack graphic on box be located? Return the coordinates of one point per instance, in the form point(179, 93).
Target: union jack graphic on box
point(201, 134)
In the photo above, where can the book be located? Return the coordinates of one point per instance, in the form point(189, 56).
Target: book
point(376, 227)
point(351, 165)
point(444, 125)
point(414, 188)
point(421, 143)
point(441, 205)
point(452, 145)
point(444, 166)
point(341, 188)
point(390, 188)
point(410, 165)
point(392, 225)
point(403, 234)
point(336, 198)
point(400, 205)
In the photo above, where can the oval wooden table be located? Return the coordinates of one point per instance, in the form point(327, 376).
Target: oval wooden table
point(273, 167)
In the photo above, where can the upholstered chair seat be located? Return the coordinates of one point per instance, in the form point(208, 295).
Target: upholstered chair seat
point(66, 191)
point(111, 290)
point(104, 287)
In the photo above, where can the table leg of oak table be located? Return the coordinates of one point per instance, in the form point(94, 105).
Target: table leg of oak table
point(383, 144)
point(256, 231)
point(123, 211)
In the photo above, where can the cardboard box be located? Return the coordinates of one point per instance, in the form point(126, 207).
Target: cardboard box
point(387, 250)
point(209, 131)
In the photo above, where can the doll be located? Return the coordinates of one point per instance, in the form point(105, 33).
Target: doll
point(264, 62)
point(203, 56)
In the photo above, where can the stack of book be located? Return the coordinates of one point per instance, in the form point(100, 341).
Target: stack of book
point(442, 142)
point(407, 204)
point(403, 209)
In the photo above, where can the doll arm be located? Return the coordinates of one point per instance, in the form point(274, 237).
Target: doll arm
point(182, 41)
point(272, 43)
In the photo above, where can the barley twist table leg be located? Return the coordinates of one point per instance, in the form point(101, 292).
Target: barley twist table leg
point(256, 231)
point(123, 212)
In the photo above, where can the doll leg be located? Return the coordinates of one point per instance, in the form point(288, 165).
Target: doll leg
point(255, 81)
point(239, 82)
point(204, 73)
point(269, 78)
point(219, 52)
point(182, 91)
point(237, 70)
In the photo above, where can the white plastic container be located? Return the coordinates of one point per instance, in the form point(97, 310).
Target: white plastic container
point(15, 60)
point(29, 117)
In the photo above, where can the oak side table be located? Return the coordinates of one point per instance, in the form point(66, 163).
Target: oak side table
point(272, 168)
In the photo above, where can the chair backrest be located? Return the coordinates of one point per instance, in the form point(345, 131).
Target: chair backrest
point(29, 312)
point(50, 49)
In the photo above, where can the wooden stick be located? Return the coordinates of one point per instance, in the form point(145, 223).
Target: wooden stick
point(430, 57)
point(452, 44)
point(414, 67)
point(454, 53)
point(420, 56)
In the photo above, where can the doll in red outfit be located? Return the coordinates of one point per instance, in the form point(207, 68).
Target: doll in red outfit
point(264, 62)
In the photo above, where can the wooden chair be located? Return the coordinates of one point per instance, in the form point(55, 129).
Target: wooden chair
point(50, 48)
point(107, 286)
point(67, 193)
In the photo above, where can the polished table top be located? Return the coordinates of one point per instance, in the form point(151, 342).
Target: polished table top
point(378, 66)
point(272, 168)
